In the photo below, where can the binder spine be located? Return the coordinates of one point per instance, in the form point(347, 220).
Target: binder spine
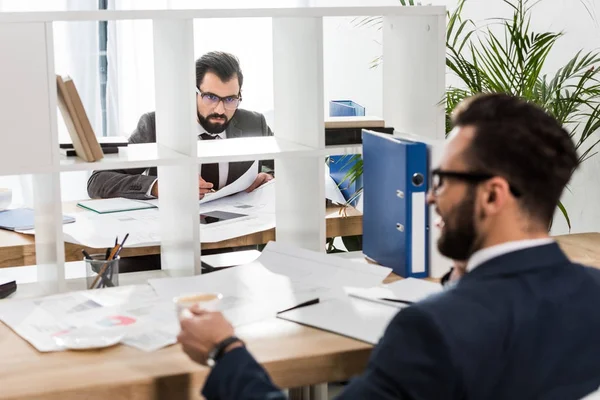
point(417, 183)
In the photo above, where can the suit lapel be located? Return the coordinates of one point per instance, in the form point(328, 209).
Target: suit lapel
point(232, 130)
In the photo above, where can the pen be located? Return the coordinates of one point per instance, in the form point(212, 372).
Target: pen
point(121, 246)
point(86, 255)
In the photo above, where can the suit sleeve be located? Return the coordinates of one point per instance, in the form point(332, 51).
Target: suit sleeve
point(237, 376)
point(129, 183)
point(267, 166)
point(411, 361)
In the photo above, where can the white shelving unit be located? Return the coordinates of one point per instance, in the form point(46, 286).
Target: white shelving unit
point(413, 50)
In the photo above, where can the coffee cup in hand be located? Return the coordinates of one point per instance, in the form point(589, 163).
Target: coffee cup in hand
point(206, 301)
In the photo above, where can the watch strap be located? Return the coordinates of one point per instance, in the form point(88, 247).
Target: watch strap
point(219, 349)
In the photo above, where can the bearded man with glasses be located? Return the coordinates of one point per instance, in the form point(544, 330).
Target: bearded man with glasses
point(521, 323)
point(219, 82)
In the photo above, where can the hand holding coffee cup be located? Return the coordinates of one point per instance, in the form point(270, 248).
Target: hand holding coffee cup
point(207, 301)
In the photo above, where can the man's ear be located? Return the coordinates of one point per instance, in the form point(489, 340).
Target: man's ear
point(498, 193)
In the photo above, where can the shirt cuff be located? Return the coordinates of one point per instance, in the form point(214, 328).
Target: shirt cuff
point(148, 193)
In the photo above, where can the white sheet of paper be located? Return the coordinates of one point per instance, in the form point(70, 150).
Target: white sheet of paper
point(239, 185)
point(410, 290)
point(320, 268)
point(147, 321)
point(332, 190)
point(351, 317)
point(250, 292)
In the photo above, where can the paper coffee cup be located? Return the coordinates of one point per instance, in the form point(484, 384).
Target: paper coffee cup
point(207, 301)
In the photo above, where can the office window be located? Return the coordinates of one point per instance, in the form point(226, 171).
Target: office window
point(102, 63)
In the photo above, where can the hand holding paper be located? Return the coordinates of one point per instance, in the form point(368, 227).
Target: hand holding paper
point(260, 180)
point(204, 187)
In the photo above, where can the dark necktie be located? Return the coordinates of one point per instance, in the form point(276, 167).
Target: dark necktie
point(210, 172)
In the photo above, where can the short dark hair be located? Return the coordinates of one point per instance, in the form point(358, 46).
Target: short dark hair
point(519, 141)
point(224, 65)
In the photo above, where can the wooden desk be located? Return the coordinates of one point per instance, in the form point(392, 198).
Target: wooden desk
point(17, 249)
point(293, 355)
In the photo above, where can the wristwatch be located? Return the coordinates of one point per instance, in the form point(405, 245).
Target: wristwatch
point(217, 352)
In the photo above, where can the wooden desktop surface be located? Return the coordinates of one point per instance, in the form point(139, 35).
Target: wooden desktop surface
point(17, 249)
point(294, 355)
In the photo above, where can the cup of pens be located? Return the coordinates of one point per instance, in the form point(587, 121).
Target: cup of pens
point(102, 269)
point(97, 263)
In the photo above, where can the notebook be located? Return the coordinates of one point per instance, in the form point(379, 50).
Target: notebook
point(22, 219)
point(115, 204)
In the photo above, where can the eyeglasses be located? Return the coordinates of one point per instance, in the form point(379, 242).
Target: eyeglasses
point(437, 179)
point(212, 100)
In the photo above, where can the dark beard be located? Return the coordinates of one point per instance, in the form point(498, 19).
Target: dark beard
point(459, 237)
point(213, 128)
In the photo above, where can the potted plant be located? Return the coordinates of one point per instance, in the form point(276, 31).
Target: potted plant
point(510, 59)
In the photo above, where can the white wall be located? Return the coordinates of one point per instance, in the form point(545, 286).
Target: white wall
point(581, 31)
point(363, 85)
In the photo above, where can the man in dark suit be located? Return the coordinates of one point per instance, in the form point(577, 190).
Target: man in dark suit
point(520, 321)
point(219, 82)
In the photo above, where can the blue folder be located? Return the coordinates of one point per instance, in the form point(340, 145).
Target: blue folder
point(22, 219)
point(395, 213)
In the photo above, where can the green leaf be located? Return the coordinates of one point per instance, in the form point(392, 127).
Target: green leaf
point(565, 214)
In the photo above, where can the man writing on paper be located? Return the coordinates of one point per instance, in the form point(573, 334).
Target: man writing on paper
point(219, 82)
point(521, 323)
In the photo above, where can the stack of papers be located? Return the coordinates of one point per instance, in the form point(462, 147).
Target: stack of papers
point(283, 278)
point(135, 313)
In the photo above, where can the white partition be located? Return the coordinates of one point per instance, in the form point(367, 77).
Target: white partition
point(25, 110)
point(414, 75)
point(298, 99)
point(414, 84)
point(175, 127)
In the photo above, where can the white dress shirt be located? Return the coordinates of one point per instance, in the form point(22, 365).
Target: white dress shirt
point(223, 166)
point(483, 255)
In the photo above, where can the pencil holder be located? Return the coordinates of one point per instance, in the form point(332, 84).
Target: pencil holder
point(100, 272)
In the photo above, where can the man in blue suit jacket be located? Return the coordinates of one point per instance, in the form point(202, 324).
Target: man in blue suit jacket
point(522, 321)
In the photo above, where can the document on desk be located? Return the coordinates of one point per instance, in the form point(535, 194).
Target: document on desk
point(99, 230)
point(250, 292)
point(143, 319)
point(283, 277)
point(404, 291)
point(257, 208)
point(365, 313)
point(351, 317)
point(319, 268)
